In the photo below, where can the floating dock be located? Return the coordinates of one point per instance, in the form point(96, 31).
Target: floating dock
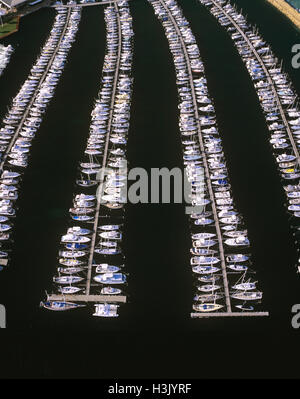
point(88, 298)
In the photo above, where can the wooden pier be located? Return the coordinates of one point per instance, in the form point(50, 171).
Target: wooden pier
point(229, 314)
point(88, 298)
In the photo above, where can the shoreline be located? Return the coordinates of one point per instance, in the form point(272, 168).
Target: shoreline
point(2, 36)
point(22, 12)
point(290, 12)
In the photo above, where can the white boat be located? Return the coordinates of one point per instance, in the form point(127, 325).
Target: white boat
point(245, 308)
point(110, 278)
point(70, 289)
point(106, 310)
point(209, 287)
point(247, 296)
point(204, 243)
point(237, 258)
point(238, 268)
point(74, 238)
point(70, 270)
point(206, 307)
point(70, 262)
point(245, 286)
point(110, 291)
point(114, 235)
point(72, 254)
point(205, 269)
point(207, 297)
point(109, 227)
point(237, 241)
point(105, 268)
point(67, 279)
point(204, 260)
point(78, 230)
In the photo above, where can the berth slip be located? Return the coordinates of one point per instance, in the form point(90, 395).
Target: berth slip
point(220, 261)
point(25, 115)
point(92, 269)
point(278, 99)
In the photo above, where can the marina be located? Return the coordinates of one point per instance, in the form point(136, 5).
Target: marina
point(162, 265)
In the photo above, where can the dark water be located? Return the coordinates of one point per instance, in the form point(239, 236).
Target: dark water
point(154, 336)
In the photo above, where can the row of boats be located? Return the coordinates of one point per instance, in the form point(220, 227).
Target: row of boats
point(277, 97)
point(24, 117)
point(220, 260)
point(5, 54)
point(91, 261)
